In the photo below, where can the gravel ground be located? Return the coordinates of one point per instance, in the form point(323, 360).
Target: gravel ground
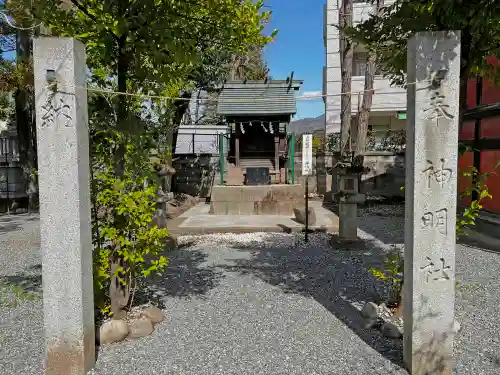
point(262, 304)
point(21, 310)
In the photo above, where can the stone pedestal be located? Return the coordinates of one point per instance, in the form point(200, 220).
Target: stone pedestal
point(234, 176)
point(348, 221)
point(256, 200)
point(348, 198)
point(64, 184)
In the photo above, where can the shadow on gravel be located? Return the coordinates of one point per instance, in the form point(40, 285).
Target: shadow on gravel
point(337, 279)
point(7, 224)
point(478, 243)
point(13, 222)
point(186, 275)
point(29, 281)
point(376, 216)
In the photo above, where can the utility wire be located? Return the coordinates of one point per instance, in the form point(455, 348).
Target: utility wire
point(9, 22)
point(235, 100)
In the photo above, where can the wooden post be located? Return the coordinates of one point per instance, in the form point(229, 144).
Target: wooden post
point(277, 153)
point(237, 133)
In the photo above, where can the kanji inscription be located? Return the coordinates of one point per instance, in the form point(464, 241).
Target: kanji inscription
point(54, 110)
point(437, 219)
point(437, 108)
point(440, 174)
point(436, 272)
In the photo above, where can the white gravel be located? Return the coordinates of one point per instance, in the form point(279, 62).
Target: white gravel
point(266, 304)
point(21, 315)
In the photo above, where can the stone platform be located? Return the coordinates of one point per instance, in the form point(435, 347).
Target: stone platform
point(256, 200)
point(198, 220)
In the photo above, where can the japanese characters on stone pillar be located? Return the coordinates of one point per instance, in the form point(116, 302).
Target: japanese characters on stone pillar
point(431, 201)
point(64, 185)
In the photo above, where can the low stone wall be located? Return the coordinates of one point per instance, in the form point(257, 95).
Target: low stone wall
point(256, 200)
point(320, 181)
point(196, 174)
point(386, 176)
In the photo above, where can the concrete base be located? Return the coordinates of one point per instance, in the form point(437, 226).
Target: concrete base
point(256, 200)
point(198, 220)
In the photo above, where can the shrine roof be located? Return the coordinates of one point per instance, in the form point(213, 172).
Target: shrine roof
point(271, 97)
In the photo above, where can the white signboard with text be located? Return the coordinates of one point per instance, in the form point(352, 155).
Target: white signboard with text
point(307, 156)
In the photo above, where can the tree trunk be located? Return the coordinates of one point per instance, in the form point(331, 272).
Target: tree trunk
point(346, 66)
point(364, 113)
point(180, 108)
point(118, 292)
point(25, 120)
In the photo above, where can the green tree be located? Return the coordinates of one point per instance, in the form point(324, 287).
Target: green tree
point(153, 46)
point(250, 65)
point(17, 28)
point(156, 47)
point(387, 34)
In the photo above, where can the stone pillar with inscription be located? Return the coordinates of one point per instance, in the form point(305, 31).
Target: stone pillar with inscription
point(65, 225)
point(431, 201)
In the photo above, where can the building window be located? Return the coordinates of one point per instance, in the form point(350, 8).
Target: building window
point(359, 64)
point(359, 68)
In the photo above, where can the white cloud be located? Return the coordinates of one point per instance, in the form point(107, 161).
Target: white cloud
point(312, 93)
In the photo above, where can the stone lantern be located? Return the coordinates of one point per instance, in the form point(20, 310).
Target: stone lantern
point(348, 198)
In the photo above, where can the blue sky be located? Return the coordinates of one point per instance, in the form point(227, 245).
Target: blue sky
point(299, 47)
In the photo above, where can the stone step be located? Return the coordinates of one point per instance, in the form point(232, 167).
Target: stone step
point(256, 163)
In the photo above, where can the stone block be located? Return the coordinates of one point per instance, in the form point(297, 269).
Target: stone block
point(254, 193)
point(300, 215)
point(285, 207)
point(234, 177)
point(246, 208)
point(288, 192)
point(222, 193)
point(233, 208)
point(266, 207)
point(218, 208)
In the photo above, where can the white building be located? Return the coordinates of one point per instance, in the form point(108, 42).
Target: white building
point(388, 110)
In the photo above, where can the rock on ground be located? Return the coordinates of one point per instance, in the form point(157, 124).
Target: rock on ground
point(300, 215)
point(154, 314)
point(113, 331)
point(140, 327)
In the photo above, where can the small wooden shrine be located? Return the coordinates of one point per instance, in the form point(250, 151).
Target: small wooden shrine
point(258, 113)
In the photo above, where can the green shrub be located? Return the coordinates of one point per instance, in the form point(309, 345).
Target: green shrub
point(127, 246)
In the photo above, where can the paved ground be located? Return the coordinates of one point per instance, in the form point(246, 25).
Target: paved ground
point(197, 220)
point(258, 304)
